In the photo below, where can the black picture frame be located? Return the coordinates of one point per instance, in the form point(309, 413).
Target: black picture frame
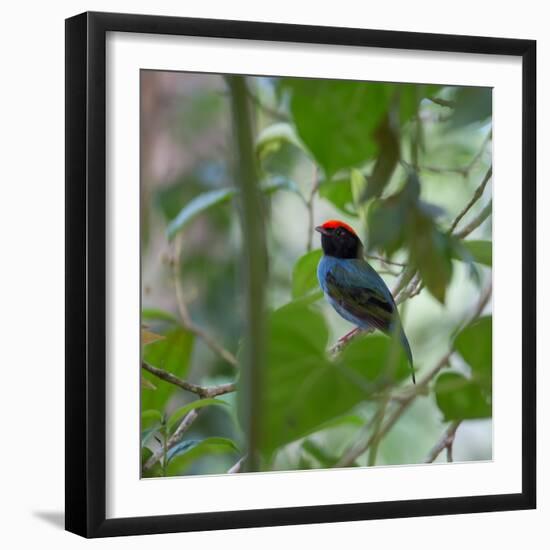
point(86, 273)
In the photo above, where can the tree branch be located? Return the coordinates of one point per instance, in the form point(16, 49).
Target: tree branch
point(446, 442)
point(357, 450)
point(442, 102)
point(254, 267)
point(477, 195)
point(175, 438)
point(464, 171)
point(476, 222)
point(273, 113)
point(185, 317)
point(201, 391)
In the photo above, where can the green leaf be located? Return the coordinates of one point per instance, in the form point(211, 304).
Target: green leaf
point(358, 190)
point(152, 314)
point(304, 389)
point(431, 251)
point(338, 192)
point(148, 337)
point(474, 342)
point(304, 274)
point(472, 105)
point(150, 416)
point(325, 459)
point(172, 354)
point(378, 360)
point(461, 399)
point(335, 119)
point(480, 251)
point(389, 220)
point(410, 96)
point(281, 183)
point(387, 139)
point(145, 454)
point(272, 138)
point(182, 455)
point(177, 415)
point(197, 206)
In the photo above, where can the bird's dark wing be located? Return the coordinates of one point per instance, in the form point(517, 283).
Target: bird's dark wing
point(358, 289)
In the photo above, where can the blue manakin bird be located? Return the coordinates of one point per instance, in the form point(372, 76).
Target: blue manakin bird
point(353, 287)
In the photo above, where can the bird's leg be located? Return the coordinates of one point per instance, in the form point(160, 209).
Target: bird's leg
point(349, 335)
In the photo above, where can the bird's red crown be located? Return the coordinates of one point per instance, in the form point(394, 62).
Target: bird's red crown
point(333, 224)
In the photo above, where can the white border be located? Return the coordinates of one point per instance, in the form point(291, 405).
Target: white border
point(127, 495)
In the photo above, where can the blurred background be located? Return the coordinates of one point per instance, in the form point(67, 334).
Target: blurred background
point(325, 149)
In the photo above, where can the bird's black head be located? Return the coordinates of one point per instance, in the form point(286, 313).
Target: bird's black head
point(338, 239)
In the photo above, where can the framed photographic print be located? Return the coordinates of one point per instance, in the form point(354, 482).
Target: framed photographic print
point(300, 274)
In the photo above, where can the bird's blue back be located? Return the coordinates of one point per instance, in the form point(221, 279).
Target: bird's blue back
point(351, 273)
point(360, 296)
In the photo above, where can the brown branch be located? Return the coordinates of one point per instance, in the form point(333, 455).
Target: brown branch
point(357, 450)
point(175, 438)
point(476, 222)
point(185, 317)
point(477, 195)
point(446, 442)
point(442, 102)
point(201, 391)
point(464, 171)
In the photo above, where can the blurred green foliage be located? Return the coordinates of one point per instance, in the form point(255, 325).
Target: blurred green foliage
point(397, 161)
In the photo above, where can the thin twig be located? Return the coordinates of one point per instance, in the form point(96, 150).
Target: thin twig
point(476, 222)
point(446, 442)
point(476, 196)
point(385, 260)
point(357, 450)
point(273, 113)
point(236, 468)
point(185, 317)
point(201, 391)
point(464, 171)
point(310, 201)
point(442, 102)
point(373, 449)
point(175, 438)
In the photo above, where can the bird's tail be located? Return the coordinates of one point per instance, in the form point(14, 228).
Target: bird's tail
point(407, 348)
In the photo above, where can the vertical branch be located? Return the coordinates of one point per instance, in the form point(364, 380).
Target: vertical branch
point(255, 261)
point(446, 442)
point(375, 438)
point(314, 188)
point(164, 446)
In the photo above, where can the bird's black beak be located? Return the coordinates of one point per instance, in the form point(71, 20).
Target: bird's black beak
point(321, 230)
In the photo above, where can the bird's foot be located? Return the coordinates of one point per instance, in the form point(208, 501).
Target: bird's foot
point(349, 335)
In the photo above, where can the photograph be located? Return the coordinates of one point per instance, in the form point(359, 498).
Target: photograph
point(376, 200)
